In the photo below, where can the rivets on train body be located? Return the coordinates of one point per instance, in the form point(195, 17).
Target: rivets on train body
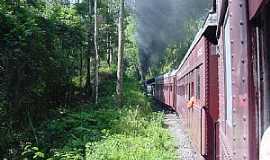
point(241, 5)
point(244, 138)
point(241, 22)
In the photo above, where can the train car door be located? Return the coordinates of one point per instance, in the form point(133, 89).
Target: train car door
point(261, 73)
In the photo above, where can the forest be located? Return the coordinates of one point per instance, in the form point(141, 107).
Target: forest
point(71, 79)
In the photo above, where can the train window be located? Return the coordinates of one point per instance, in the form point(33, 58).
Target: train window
point(192, 89)
point(186, 92)
point(189, 91)
point(212, 49)
point(198, 84)
point(228, 72)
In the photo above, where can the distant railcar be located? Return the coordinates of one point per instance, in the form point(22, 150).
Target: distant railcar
point(149, 87)
point(165, 90)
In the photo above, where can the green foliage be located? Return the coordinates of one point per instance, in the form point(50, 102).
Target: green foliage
point(137, 134)
point(31, 152)
point(131, 48)
point(45, 110)
point(105, 131)
point(39, 44)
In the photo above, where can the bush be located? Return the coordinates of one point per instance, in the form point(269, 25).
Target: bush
point(105, 131)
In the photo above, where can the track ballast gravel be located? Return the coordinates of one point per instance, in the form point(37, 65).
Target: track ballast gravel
point(185, 151)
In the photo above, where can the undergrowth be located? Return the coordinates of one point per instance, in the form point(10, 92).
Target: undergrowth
point(105, 131)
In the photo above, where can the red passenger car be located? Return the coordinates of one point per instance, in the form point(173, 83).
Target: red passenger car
point(259, 56)
point(244, 70)
point(165, 90)
point(194, 82)
point(197, 89)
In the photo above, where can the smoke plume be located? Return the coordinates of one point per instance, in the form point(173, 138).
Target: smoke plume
point(160, 22)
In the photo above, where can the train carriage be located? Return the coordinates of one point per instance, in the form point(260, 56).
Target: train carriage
point(243, 34)
point(165, 90)
point(259, 56)
point(196, 82)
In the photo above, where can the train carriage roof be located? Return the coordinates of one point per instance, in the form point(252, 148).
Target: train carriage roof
point(166, 75)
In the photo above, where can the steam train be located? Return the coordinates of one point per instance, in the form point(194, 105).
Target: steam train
point(221, 89)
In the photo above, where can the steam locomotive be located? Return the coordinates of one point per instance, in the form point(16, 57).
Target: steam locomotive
point(221, 89)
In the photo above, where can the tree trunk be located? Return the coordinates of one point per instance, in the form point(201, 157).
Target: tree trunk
point(88, 77)
point(81, 66)
point(111, 51)
point(96, 53)
point(90, 48)
point(119, 86)
point(108, 48)
point(109, 42)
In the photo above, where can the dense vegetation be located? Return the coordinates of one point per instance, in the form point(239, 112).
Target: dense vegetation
point(104, 131)
point(48, 68)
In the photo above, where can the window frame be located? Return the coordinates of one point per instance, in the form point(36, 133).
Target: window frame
point(198, 83)
point(227, 48)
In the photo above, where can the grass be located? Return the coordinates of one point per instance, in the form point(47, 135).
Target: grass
point(106, 131)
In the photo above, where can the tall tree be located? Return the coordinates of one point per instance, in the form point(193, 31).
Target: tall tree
point(90, 47)
point(109, 34)
point(119, 86)
point(96, 52)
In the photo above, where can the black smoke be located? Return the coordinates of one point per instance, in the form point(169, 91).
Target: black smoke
point(160, 22)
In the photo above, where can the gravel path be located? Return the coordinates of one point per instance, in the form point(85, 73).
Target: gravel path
point(185, 150)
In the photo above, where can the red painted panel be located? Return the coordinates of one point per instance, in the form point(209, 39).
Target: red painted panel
point(254, 5)
point(234, 132)
point(195, 117)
